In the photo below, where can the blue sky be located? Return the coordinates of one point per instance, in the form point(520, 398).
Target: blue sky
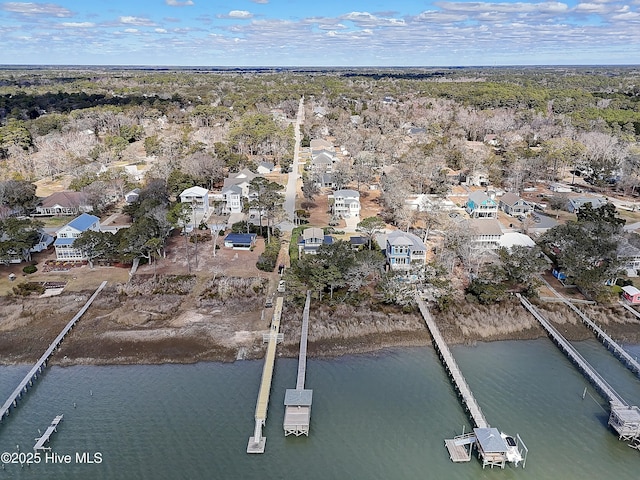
point(319, 33)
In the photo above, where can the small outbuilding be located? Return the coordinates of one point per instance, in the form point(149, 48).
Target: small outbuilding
point(240, 241)
point(631, 294)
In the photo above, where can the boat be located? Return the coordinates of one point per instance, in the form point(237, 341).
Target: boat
point(513, 454)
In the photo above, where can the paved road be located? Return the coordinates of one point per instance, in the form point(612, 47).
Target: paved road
point(292, 183)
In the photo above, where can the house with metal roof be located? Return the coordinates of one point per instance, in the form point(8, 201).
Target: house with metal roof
point(345, 203)
point(240, 241)
point(197, 197)
point(576, 203)
point(66, 235)
point(480, 205)
point(403, 249)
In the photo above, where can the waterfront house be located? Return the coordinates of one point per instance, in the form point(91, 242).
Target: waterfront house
point(628, 253)
point(512, 204)
point(240, 241)
point(132, 196)
point(631, 294)
point(66, 235)
point(486, 234)
point(480, 205)
point(311, 239)
point(403, 249)
point(346, 203)
point(197, 197)
point(64, 203)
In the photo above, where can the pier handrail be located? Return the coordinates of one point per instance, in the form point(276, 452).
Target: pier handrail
point(597, 379)
point(302, 357)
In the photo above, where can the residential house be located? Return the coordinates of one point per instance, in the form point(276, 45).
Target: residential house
point(311, 239)
point(197, 197)
point(72, 230)
point(559, 187)
point(477, 179)
point(631, 294)
point(512, 204)
point(358, 242)
point(12, 256)
point(233, 196)
point(322, 162)
point(480, 205)
point(346, 203)
point(132, 196)
point(64, 203)
point(486, 233)
point(324, 180)
point(576, 203)
point(509, 240)
point(240, 241)
point(265, 167)
point(427, 203)
point(320, 144)
point(403, 249)
point(629, 254)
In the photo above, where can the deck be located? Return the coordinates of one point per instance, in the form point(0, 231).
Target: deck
point(40, 442)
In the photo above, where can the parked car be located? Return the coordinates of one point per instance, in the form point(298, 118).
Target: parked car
point(281, 286)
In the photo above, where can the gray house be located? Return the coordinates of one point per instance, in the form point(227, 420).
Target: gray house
point(575, 204)
point(512, 204)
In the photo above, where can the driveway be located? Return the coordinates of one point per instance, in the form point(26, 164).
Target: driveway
point(292, 183)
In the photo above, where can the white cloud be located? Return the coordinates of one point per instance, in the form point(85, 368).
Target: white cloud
point(160, 30)
point(36, 9)
point(441, 17)
point(263, 2)
point(240, 14)
point(518, 7)
point(177, 3)
point(131, 30)
point(138, 21)
point(78, 24)
point(592, 8)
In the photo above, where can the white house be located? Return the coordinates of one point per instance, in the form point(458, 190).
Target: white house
point(575, 204)
point(486, 233)
point(345, 203)
point(512, 204)
point(197, 197)
point(404, 249)
point(235, 187)
point(72, 230)
point(64, 203)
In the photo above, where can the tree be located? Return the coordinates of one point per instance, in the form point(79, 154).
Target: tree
point(17, 237)
point(371, 226)
point(266, 199)
point(519, 265)
point(18, 194)
point(96, 245)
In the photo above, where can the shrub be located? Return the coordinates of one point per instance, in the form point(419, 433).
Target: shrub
point(30, 269)
point(26, 289)
point(267, 261)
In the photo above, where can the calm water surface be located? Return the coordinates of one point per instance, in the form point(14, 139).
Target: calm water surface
point(382, 416)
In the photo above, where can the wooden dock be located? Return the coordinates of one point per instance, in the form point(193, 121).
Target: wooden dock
point(624, 418)
point(454, 371)
point(27, 381)
point(624, 356)
point(629, 308)
point(297, 415)
point(40, 442)
point(257, 441)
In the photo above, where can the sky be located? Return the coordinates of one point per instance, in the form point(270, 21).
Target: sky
point(320, 32)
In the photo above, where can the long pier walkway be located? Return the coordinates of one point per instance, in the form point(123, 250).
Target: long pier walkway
point(257, 441)
point(625, 419)
point(629, 308)
point(297, 415)
point(27, 381)
point(608, 342)
point(452, 367)
point(491, 444)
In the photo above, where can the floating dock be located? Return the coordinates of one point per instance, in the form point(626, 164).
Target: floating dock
point(257, 441)
point(494, 447)
point(297, 414)
point(40, 442)
point(624, 418)
point(28, 380)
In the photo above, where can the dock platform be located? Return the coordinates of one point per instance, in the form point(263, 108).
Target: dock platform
point(40, 442)
point(490, 443)
point(257, 442)
point(297, 414)
point(29, 378)
point(624, 418)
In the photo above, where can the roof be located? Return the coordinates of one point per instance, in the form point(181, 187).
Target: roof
point(298, 397)
point(244, 175)
point(511, 239)
point(240, 238)
point(358, 240)
point(267, 165)
point(322, 158)
point(510, 198)
point(596, 202)
point(65, 199)
point(194, 192)
point(64, 241)
point(232, 189)
point(311, 233)
point(346, 193)
point(479, 197)
point(630, 290)
point(490, 440)
point(398, 237)
point(317, 143)
point(83, 222)
point(485, 226)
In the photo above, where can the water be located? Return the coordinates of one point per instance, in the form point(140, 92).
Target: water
point(382, 416)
